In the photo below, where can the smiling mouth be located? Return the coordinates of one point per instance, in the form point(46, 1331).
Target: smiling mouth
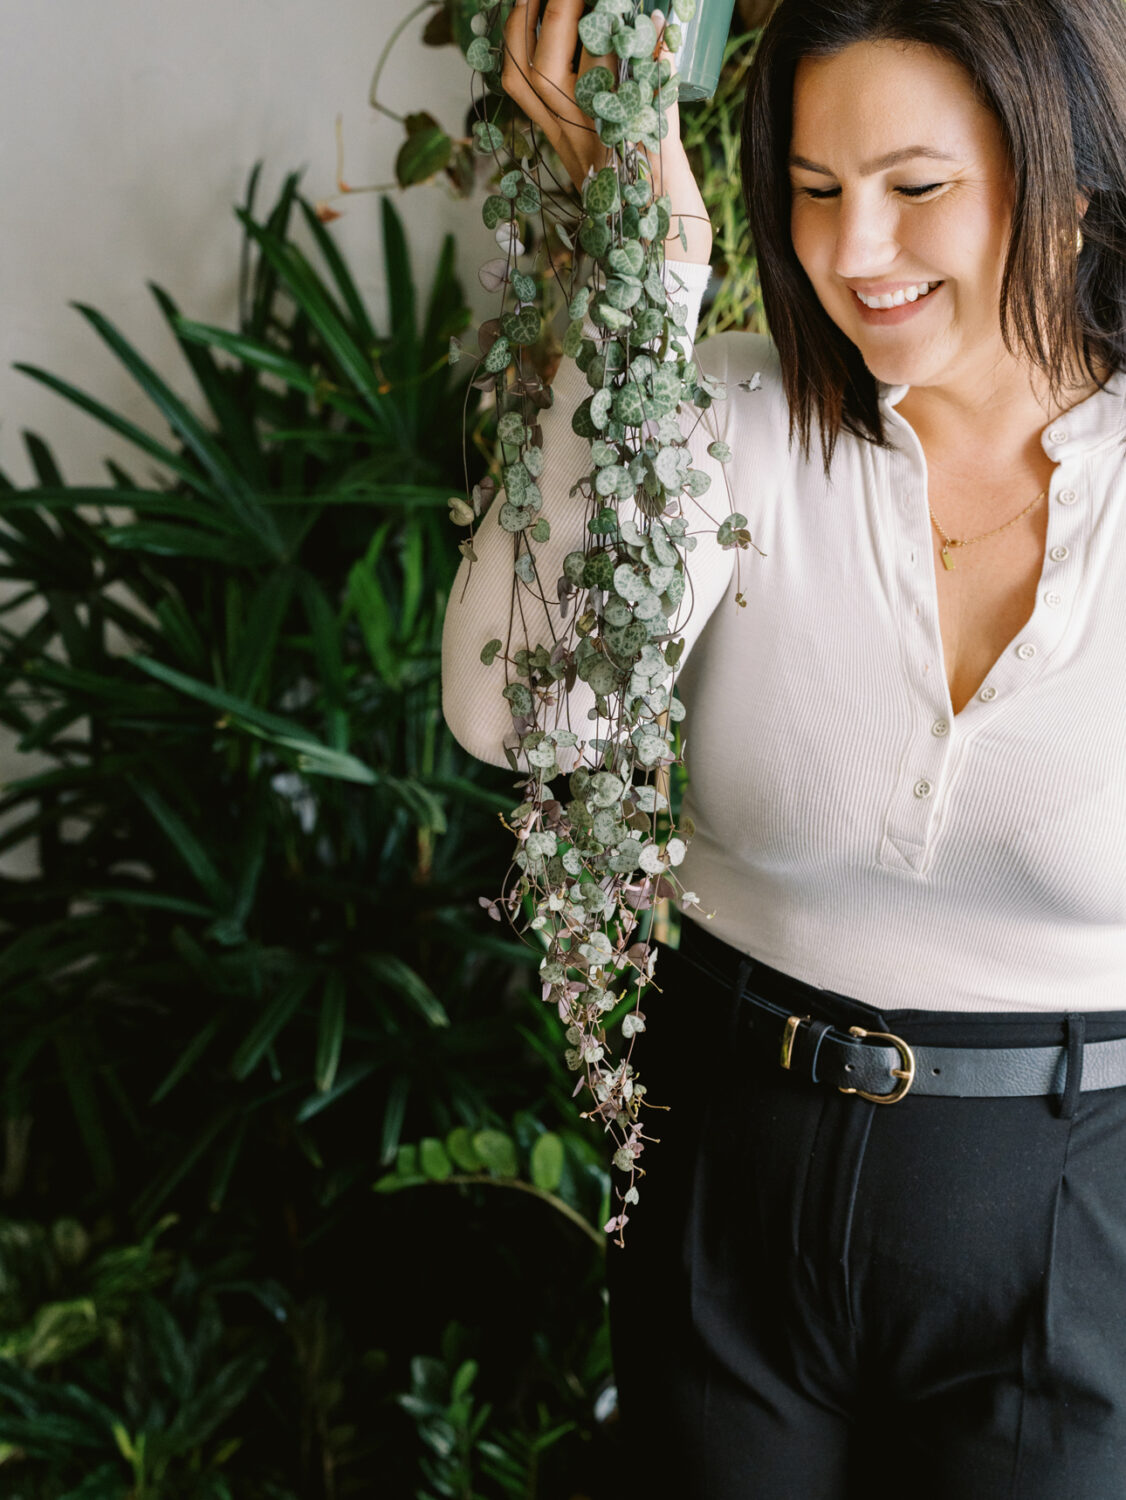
point(900, 298)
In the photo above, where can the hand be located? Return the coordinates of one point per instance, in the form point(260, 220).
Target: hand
point(539, 77)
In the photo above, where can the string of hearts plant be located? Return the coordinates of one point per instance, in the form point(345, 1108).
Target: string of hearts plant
point(595, 845)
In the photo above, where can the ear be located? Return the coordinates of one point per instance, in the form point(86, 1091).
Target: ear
point(1082, 204)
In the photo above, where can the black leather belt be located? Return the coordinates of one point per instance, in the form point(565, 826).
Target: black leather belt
point(783, 1026)
point(885, 1068)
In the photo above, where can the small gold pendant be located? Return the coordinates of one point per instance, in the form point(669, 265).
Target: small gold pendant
point(947, 560)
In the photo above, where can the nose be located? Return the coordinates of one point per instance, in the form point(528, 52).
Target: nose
point(866, 243)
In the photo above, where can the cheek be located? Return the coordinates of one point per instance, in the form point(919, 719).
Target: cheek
point(808, 243)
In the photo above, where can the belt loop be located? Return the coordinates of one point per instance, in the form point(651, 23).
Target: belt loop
point(1076, 1034)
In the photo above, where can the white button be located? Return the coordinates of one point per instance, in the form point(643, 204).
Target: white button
point(923, 789)
point(1026, 651)
point(940, 727)
point(988, 694)
point(1058, 435)
point(1058, 554)
point(1067, 497)
point(1051, 600)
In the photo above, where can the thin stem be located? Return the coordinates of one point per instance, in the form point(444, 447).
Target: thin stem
point(383, 56)
point(484, 1180)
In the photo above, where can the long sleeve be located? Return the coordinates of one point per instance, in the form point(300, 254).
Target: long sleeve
point(487, 603)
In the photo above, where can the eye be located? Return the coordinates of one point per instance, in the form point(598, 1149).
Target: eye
point(908, 192)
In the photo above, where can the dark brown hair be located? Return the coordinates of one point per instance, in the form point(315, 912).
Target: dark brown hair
point(1053, 72)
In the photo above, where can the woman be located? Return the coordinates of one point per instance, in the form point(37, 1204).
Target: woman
point(906, 770)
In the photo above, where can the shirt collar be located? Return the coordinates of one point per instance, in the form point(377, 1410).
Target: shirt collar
point(1095, 420)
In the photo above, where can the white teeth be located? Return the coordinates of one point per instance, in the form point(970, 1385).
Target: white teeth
point(897, 299)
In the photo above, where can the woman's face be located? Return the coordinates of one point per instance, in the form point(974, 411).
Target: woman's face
point(861, 225)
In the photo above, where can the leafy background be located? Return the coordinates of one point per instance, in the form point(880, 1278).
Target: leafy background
point(290, 1161)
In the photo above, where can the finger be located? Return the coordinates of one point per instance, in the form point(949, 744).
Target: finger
point(519, 53)
point(558, 40)
point(586, 62)
point(520, 33)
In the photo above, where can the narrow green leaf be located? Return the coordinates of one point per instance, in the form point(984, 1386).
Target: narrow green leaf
point(257, 641)
point(270, 361)
point(393, 1115)
point(187, 1059)
point(236, 426)
point(270, 1023)
point(128, 430)
point(212, 456)
point(330, 1032)
point(346, 1079)
point(184, 841)
point(355, 364)
point(78, 1078)
point(394, 973)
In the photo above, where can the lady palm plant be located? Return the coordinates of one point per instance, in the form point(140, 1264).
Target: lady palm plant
point(249, 966)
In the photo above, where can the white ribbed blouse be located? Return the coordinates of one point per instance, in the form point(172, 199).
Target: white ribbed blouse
point(850, 829)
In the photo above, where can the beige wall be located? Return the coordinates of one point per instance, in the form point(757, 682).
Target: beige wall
point(127, 130)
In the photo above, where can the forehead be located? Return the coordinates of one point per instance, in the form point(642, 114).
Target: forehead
point(874, 97)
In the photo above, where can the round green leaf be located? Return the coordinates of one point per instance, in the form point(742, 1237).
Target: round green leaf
point(600, 404)
point(514, 517)
point(598, 571)
point(573, 339)
point(495, 210)
point(547, 1161)
point(593, 81)
point(579, 303)
point(522, 327)
point(627, 259)
point(528, 198)
point(497, 1152)
point(489, 651)
point(459, 1144)
point(519, 698)
point(480, 56)
point(499, 357)
point(628, 407)
point(487, 138)
point(594, 238)
point(511, 428)
point(609, 106)
point(629, 585)
point(433, 1159)
point(606, 789)
point(602, 676)
point(524, 286)
point(596, 29)
point(622, 293)
point(601, 194)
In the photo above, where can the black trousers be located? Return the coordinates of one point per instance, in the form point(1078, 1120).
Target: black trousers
point(823, 1298)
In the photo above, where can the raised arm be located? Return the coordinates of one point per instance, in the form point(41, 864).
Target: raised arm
point(487, 603)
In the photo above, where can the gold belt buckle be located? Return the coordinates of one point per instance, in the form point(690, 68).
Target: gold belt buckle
point(906, 1074)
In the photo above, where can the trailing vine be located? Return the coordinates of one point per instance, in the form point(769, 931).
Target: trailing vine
point(596, 847)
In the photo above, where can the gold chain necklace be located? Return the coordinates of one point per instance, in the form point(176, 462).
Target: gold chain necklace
point(968, 541)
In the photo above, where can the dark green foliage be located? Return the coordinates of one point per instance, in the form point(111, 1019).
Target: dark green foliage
point(251, 968)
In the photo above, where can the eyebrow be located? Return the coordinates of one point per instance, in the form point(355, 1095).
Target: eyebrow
point(893, 158)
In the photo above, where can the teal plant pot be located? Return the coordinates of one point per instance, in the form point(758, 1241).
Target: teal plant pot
point(700, 55)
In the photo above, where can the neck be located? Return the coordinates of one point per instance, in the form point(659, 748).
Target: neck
point(1004, 415)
